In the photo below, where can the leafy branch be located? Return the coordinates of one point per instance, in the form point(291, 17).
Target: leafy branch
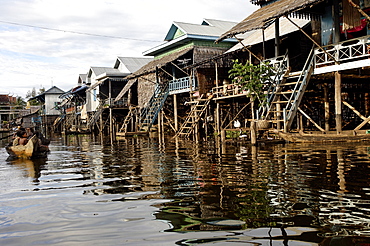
point(252, 78)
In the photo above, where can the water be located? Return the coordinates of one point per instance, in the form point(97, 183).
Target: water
point(145, 192)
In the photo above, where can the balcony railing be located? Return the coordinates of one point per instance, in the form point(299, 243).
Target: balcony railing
point(181, 85)
point(229, 90)
point(349, 54)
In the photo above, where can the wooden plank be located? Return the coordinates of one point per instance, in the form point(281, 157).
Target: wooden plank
point(309, 118)
point(362, 124)
point(354, 110)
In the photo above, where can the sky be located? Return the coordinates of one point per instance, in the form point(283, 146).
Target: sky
point(45, 43)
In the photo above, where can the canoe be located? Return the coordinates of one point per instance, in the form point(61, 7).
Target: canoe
point(312, 138)
point(31, 150)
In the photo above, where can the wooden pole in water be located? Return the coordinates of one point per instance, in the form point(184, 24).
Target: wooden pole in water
point(253, 132)
point(159, 123)
point(338, 101)
point(217, 105)
point(175, 115)
point(326, 108)
point(110, 113)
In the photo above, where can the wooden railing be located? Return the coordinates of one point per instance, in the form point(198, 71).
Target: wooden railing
point(229, 90)
point(348, 54)
point(181, 85)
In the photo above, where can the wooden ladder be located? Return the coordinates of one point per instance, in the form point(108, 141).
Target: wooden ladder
point(197, 110)
point(97, 113)
point(132, 111)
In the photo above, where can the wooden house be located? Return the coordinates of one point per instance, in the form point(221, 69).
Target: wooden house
point(49, 111)
point(104, 86)
point(326, 89)
point(163, 89)
point(8, 111)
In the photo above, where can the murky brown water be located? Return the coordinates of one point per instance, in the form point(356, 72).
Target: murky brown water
point(145, 192)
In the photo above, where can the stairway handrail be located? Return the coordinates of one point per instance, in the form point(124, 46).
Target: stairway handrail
point(280, 72)
point(306, 71)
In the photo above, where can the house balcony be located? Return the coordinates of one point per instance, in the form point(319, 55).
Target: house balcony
point(181, 85)
point(227, 91)
point(235, 90)
point(350, 54)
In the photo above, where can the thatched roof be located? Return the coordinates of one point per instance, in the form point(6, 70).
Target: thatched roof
point(262, 17)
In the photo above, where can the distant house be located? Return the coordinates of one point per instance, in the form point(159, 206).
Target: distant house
point(7, 110)
point(50, 101)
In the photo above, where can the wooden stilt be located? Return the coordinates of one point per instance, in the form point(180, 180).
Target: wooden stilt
point(175, 112)
point(326, 108)
point(277, 38)
point(218, 118)
point(338, 101)
point(159, 123)
point(253, 130)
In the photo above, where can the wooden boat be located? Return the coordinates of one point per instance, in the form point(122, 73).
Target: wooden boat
point(31, 150)
point(349, 136)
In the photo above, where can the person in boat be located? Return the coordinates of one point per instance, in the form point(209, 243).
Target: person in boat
point(21, 138)
point(44, 141)
point(30, 132)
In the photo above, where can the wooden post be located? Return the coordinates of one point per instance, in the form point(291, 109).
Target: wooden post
point(338, 101)
point(110, 125)
point(253, 130)
point(218, 117)
point(277, 39)
point(223, 135)
point(278, 115)
point(301, 127)
point(326, 108)
point(101, 128)
point(367, 104)
point(159, 124)
point(175, 112)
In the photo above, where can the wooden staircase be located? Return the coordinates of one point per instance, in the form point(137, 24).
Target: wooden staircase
point(132, 111)
point(150, 113)
point(285, 94)
point(97, 113)
point(197, 110)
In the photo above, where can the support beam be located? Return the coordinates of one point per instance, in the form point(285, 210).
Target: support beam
point(338, 101)
point(175, 115)
point(310, 119)
point(277, 37)
point(354, 110)
point(326, 108)
point(362, 124)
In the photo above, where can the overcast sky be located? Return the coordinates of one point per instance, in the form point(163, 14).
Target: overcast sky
point(46, 43)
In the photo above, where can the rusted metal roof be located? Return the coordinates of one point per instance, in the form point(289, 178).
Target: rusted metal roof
point(264, 16)
point(150, 68)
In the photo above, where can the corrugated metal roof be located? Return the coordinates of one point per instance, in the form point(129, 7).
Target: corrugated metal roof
point(208, 28)
point(262, 17)
point(150, 68)
point(100, 70)
point(285, 27)
point(132, 64)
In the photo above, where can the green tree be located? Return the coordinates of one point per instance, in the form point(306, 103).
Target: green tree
point(32, 93)
point(20, 103)
point(252, 78)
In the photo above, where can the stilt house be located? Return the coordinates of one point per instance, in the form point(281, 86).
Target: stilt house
point(164, 89)
point(321, 84)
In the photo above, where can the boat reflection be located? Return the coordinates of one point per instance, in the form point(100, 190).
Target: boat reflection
point(30, 167)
